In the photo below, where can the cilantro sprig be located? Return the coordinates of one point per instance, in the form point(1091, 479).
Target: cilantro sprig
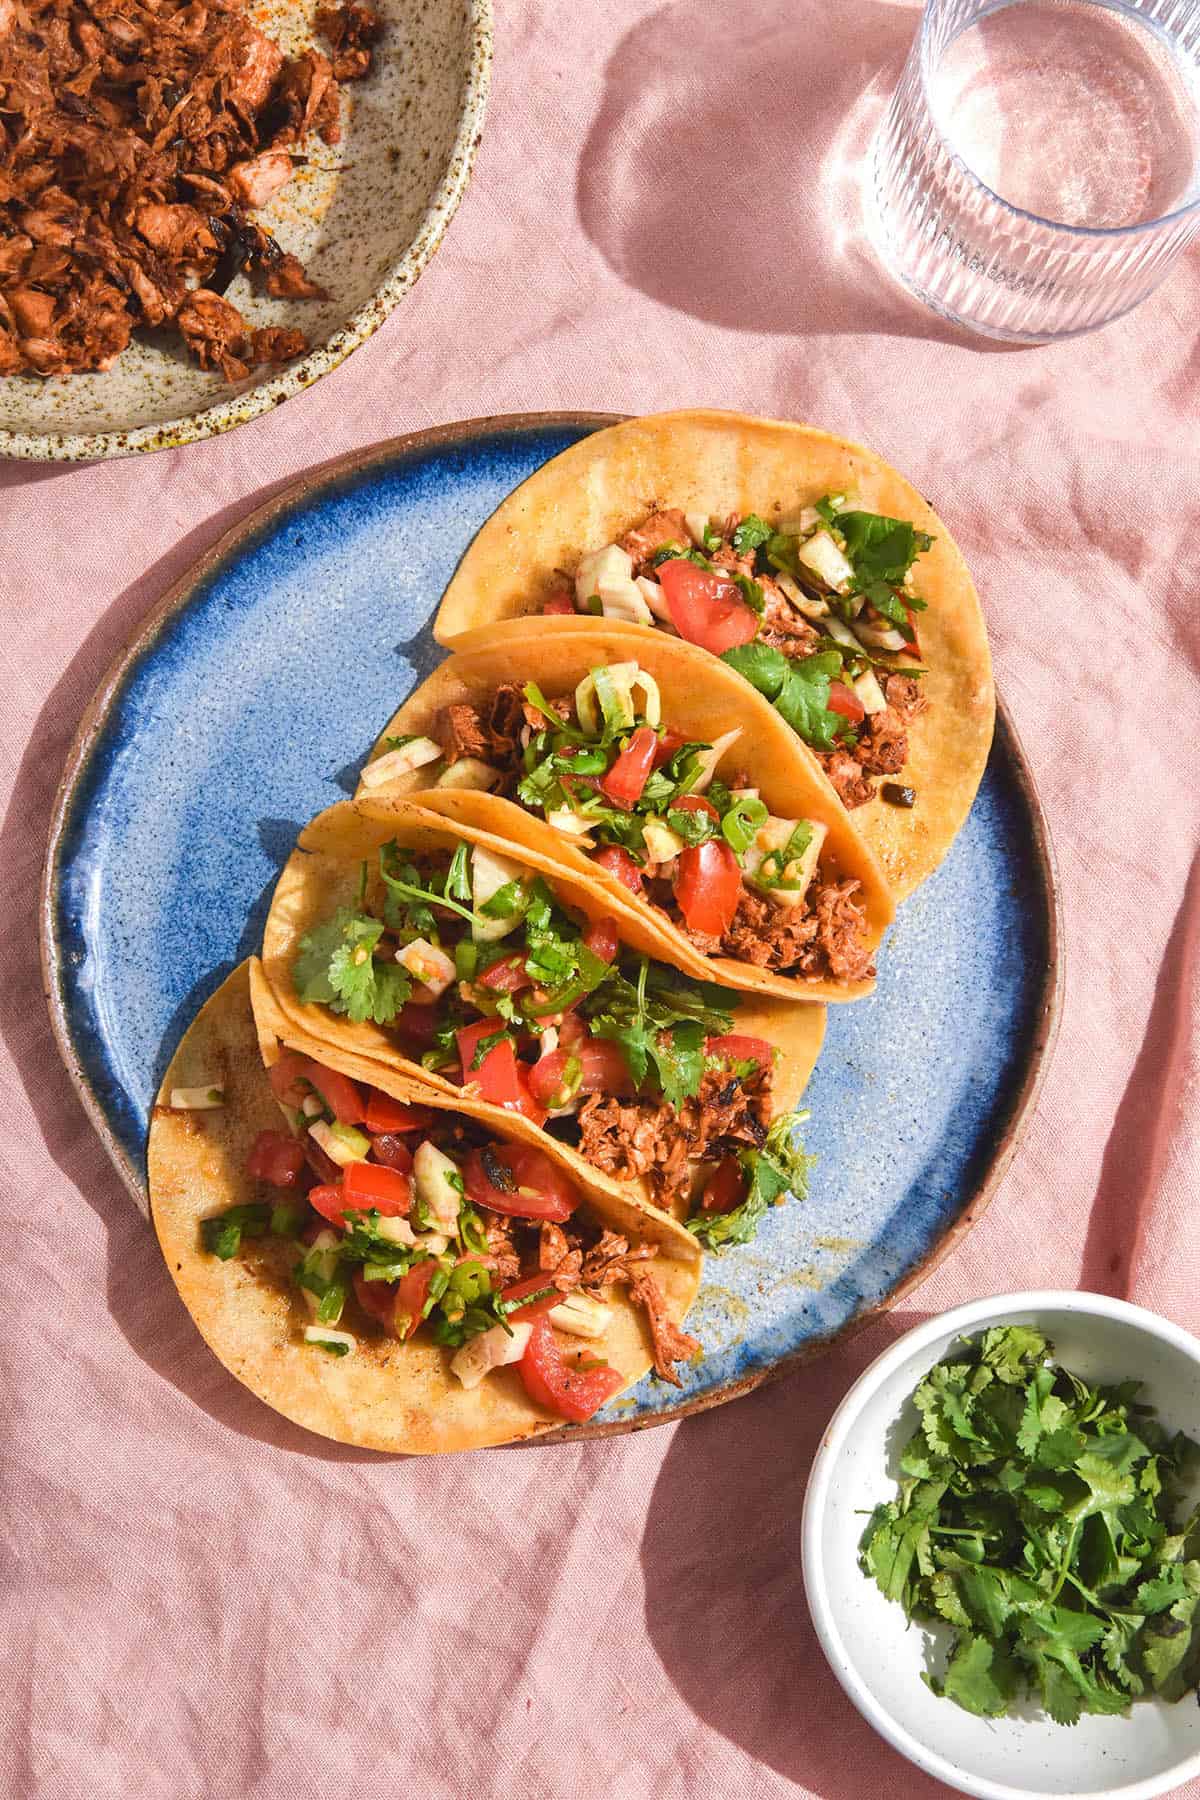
point(780, 1168)
point(1036, 1514)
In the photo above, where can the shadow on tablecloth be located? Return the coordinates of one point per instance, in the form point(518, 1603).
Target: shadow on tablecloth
point(724, 172)
point(725, 1607)
point(138, 1291)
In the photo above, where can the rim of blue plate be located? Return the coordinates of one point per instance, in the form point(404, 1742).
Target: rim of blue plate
point(179, 596)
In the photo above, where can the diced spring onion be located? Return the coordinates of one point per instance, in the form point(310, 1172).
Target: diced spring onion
point(335, 1343)
point(197, 1099)
point(395, 763)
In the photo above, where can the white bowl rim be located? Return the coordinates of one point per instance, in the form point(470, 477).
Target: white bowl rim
point(239, 409)
point(972, 1316)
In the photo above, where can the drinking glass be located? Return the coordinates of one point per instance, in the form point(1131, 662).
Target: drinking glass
point(1037, 170)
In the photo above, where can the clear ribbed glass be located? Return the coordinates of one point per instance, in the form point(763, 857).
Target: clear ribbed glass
point(1037, 170)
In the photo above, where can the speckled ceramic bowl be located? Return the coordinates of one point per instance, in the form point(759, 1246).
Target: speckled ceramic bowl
point(365, 217)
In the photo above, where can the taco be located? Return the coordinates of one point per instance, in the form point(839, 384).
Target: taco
point(661, 776)
point(812, 568)
point(451, 1287)
point(482, 968)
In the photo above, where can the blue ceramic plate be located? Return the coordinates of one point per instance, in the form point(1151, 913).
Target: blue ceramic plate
point(248, 704)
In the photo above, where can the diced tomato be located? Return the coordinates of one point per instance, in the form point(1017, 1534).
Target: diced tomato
point(572, 1029)
point(389, 1148)
point(708, 886)
point(338, 1092)
point(601, 939)
point(537, 1309)
point(695, 803)
point(539, 1188)
point(559, 1386)
point(618, 862)
point(913, 648)
point(412, 1291)
point(548, 1076)
point(735, 1047)
point(501, 1079)
point(417, 1021)
point(377, 1298)
point(507, 975)
point(276, 1159)
point(625, 780)
point(327, 1200)
point(560, 602)
point(668, 744)
point(385, 1114)
point(603, 1070)
point(366, 1185)
point(706, 608)
point(289, 1078)
point(727, 1188)
point(844, 700)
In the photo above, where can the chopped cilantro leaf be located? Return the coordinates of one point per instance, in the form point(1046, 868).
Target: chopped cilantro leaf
point(880, 548)
point(336, 967)
point(222, 1236)
point(750, 534)
point(1036, 1515)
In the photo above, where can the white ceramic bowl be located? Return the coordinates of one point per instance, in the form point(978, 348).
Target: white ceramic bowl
point(365, 217)
point(878, 1658)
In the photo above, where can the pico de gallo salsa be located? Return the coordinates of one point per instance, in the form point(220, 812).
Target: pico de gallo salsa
point(409, 1218)
point(819, 612)
point(674, 820)
point(480, 974)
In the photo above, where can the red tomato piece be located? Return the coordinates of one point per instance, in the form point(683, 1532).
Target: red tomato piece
point(738, 1048)
point(561, 602)
point(412, 1291)
point(628, 776)
point(562, 1387)
point(695, 803)
point(366, 1185)
point(619, 863)
point(602, 940)
point(708, 886)
point(377, 1298)
point(668, 744)
point(338, 1092)
point(389, 1148)
point(539, 1188)
point(603, 1070)
point(913, 648)
point(572, 1029)
point(727, 1188)
point(507, 976)
point(537, 1309)
point(844, 700)
point(385, 1114)
point(289, 1079)
point(327, 1200)
point(500, 1078)
point(276, 1159)
point(705, 607)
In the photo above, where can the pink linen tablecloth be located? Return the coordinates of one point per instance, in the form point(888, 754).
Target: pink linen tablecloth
point(200, 1601)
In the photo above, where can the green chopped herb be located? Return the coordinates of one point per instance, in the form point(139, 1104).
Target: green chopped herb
point(880, 548)
point(1037, 1515)
point(222, 1236)
point(745, 816)
point(780, 1168)
point(336, 967)
point(750, 534)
